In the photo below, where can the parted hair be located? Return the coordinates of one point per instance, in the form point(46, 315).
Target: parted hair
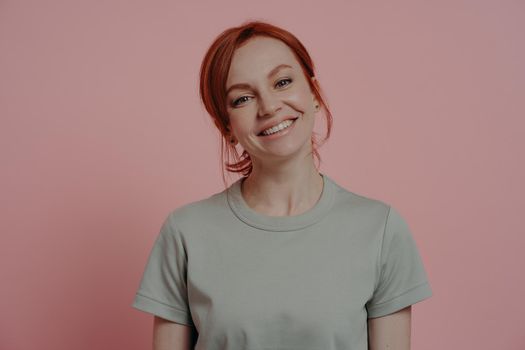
point(214, 73)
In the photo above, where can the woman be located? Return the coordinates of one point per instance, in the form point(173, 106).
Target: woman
point(284, 258)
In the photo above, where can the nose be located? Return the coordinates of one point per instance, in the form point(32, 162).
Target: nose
point(269, 104)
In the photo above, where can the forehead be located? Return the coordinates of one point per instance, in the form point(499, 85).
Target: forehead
point(257, 57)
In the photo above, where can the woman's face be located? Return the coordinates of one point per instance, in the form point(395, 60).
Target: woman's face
point(266, 86)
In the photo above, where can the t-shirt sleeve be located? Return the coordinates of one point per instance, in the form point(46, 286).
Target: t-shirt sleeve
point(402, 278)
point(162, 291)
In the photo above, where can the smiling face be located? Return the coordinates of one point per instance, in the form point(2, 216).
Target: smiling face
point(265, 86)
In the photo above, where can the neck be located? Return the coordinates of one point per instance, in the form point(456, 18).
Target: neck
point(283, 191)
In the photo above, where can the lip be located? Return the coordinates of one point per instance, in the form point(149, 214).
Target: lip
point(279, 134)
point(275, 122)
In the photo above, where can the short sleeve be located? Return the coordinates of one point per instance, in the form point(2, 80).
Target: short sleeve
point(402, 278)
point(162, 291)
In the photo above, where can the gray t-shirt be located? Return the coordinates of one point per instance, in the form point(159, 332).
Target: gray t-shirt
point(251, 281)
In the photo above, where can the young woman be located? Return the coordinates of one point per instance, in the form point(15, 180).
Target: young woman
point(284, 258)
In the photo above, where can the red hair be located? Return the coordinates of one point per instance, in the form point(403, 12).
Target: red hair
point(214, 73)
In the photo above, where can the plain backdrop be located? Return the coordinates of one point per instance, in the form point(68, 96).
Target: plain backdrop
point(102, 134)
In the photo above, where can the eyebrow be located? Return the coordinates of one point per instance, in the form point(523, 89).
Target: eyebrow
point(246, 86)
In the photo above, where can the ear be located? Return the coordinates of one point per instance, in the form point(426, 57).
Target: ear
point(314, 81)
point(315, 102)
point(314, 98)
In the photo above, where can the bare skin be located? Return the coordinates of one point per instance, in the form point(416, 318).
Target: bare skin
point(390, 332)
point(284, 180)
point(169, 335)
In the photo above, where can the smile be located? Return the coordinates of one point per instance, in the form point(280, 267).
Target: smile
point(279, 127)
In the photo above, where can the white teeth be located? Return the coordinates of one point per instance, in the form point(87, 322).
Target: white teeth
point(280, 126)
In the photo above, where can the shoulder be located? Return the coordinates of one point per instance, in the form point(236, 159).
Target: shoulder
point(365, 207)
point(198, 213)
point(372, 211)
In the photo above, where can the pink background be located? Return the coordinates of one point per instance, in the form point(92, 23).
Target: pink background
point(102, 134)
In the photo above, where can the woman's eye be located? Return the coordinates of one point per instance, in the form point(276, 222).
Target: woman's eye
point(280, 81)
point(236, 102)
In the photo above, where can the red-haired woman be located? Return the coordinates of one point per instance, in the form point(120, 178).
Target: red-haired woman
point(284, 258)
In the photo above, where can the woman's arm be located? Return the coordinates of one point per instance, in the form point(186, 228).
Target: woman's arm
point(169, 335)
point(390, 332)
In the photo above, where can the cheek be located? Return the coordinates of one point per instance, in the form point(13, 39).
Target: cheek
point(301, 99)
point(240, 123)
